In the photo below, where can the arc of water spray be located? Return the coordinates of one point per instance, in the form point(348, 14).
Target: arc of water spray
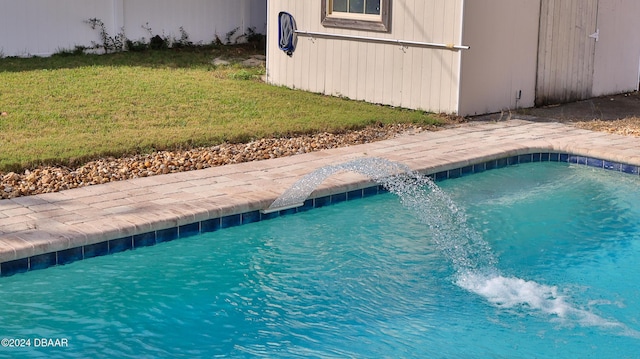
point(374, 168)
point(464, 247)
point(469, 254)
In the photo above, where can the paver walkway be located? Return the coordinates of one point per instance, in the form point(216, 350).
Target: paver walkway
point(53, 222)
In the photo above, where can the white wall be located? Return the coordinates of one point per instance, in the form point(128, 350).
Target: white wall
point(412, 77)
point(41, 27)
point(503, 35)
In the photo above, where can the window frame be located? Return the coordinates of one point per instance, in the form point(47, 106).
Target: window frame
point(368, 22)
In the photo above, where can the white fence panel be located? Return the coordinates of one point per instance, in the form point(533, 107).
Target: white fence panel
point(42, 27)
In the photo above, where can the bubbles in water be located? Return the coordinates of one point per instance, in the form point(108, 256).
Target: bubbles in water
point(509, 292)
point(514, 293)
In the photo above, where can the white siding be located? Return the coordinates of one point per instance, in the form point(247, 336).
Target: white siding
point(618, 49)
point(511, 54)
point(412, 77)
point(501, 64)
point(41, 27)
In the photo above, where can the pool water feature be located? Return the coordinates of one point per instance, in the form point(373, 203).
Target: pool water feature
point(376, 169)
point(552, 273)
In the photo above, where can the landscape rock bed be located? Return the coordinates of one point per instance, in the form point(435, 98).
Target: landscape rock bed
point(47, 179)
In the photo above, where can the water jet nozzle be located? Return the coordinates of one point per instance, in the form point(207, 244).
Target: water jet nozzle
point(281, 208)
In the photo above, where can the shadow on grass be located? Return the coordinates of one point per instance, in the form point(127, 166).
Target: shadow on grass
point(185, 57)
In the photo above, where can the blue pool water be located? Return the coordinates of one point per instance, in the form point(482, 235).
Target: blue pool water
point(557, 277)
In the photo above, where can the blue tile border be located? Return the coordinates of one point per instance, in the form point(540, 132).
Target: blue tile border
point(96, 250)
point(117, 245)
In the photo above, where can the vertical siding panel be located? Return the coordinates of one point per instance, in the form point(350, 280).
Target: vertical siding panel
point(343, 57)
point(396, 81)
point(370, 73)
point(542, 41)
point(398, 55)
point(408, 54)
point(378, 75)
point(428, 58)
point(455, 38)
point(583, 84)
point(317, 70)
point(407, 76)
point(339, 50)
point(436, 69)
point(321, 71)
point(564, 48)
point(546, 79)
point(591, 45)
point(361, 70)
point(301, 56)
point(574, 77)
point(324, 47)
point(544, 66)
point(556, 64)
point(352, 72)
point(581, 59)
point(448, 71)
point(419, 34)
point(306, 46)
point(313, 76)
point(330, 76)
point(387, 73)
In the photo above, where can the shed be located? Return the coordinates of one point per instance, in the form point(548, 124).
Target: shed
point(456, 56)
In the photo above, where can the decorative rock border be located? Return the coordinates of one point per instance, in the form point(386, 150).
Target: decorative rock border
point(49, 179)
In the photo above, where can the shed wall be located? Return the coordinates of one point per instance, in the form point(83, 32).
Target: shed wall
point(411, 77)
point(499, 70)
point(617, 55)
point(41, 27)
point(566, 51)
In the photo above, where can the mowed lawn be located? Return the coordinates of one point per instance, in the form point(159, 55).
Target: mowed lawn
point(68, 109)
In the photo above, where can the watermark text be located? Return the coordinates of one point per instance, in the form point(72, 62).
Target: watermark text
point(34, 342)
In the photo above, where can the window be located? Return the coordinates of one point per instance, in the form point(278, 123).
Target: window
point(371, 15)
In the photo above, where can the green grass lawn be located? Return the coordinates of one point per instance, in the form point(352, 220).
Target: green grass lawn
point(68, 109)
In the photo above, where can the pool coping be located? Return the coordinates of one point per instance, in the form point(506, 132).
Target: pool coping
point(40, 231)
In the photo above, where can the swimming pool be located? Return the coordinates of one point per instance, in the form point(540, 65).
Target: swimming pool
point(365, 279)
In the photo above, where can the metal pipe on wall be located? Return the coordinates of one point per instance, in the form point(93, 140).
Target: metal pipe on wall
point(382, 40)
